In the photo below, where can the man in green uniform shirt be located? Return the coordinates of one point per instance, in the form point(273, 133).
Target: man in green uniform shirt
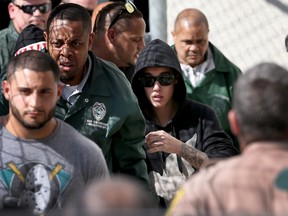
point(209, 76)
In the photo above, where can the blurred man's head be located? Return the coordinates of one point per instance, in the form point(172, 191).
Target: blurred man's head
point(190, 36)
point(260, 105)
point(119, 33)
point(121, 195)
point(25, 12)
point(88, 4)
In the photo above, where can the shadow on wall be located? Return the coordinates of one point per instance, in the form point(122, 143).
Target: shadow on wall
point(283, 7)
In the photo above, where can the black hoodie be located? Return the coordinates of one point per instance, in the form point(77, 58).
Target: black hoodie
point(157, 54)
point(195, 124)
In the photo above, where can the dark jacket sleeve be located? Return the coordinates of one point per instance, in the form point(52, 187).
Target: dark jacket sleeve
point(214, 141)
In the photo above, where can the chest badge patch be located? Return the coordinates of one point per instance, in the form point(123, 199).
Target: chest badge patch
point(99, 111)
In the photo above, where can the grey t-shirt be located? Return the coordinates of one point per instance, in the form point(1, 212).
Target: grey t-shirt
point(44, 174)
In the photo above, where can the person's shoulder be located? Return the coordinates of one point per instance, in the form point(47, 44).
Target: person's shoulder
point(10, 31)
point(101, 63)
point(109, 69)
point(197, 106)
point(218, 169)
point(74, 135)
point(4, 35)
point(111, 75)
point(3, 120)
point(222, 63)
point(4, 32)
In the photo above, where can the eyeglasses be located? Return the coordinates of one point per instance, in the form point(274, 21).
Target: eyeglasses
point(30, 9)
point(128, 7)
point(165, 79)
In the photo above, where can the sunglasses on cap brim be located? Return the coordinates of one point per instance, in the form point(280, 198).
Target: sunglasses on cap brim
point(129, 7)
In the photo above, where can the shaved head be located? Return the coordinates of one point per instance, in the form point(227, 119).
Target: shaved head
point(88, 4)
point(190, 36)
point(190, 17)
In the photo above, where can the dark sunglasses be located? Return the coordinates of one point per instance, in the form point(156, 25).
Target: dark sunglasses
point(164, 80)
point(128, 7)
point(30, 9)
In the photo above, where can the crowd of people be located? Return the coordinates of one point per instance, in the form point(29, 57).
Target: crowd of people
point(93, 121)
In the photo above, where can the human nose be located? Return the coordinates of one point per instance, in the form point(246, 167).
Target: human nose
point(34, 100)
point(36, 12)
point(193, 47)
point(156, 85)
point(66, 51)
point(141, 44)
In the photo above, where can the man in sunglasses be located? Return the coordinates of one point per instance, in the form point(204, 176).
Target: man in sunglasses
point(255, 182)
point(181, 134)
point(22, 13)
point(119, 35)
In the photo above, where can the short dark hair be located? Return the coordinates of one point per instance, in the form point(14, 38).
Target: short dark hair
point(261, 104)
point(33, 60)
point(112, 10)
point(70, 12)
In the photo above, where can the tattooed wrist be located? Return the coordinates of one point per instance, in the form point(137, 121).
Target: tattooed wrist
point(193, 155)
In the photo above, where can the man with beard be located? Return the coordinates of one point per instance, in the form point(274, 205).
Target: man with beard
point(44, 162)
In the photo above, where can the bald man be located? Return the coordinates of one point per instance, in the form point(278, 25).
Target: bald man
point(88, 4)
point(209, 76)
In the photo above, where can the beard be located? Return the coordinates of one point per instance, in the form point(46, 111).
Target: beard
point(32, 126)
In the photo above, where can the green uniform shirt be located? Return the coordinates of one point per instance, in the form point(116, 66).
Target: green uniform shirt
point(216, 88)
point(8, 38)
point(108, 113)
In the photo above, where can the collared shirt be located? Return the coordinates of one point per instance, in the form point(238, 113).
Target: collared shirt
point(71, 93)
point(197, 73)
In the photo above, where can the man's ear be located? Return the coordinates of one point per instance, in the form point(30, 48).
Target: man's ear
point(172, 33)
point(12, 10)
point(6, 89)
point(233, 121)
point(111, 33)
point(91, 39)
point(45, 36)
point(59, 91)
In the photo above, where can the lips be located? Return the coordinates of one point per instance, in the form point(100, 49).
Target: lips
point(34, 114)
point(192, 56)
point(38, 22)
point(157, 98)
point(66, 66)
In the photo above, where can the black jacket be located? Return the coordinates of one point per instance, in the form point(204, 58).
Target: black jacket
point(194, 122)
